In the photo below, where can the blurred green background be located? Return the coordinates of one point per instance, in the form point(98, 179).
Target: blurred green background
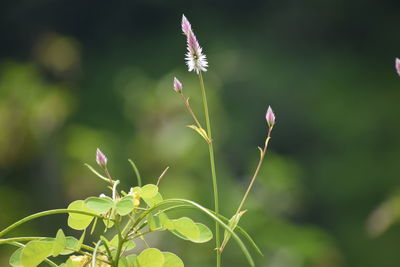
point(77, 75)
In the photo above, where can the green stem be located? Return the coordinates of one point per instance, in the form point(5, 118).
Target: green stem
point(212, 163)
point(135, 169)
point(121, 241)
point(263, 152)
point(45, 213)
point(94, 258)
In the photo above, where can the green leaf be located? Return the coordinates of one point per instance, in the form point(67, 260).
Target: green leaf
point(171, 260)
point(166, 222)
point(154, 200)
point(79, 221)
point(35, 252)
point(149, 191)
point(205, 234)
point(128, 261)
point(15, 259)
point(71, 244)
point(185, 228)
point(59, 243)
point(154, 222)
point(128, 245)
point(100, 204)
point(151, 257)
point(124, 205)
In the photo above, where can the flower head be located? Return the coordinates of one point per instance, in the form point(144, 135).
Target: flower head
point(101, 159)
point(398, 65)
point(186, 27)
point(177, 85)
point(195, 59)
point(270, 117)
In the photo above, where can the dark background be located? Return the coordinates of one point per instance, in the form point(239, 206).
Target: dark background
point(77, 75)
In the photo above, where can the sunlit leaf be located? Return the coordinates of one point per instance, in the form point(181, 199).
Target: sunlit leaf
point(205, 234)
point(185, 228)
point(124, 206)
point(100, 204)
point(149, 191)
point(154, 200)
point(171, 260)
point(151, 257)
point(79, 221)
point(35, 252)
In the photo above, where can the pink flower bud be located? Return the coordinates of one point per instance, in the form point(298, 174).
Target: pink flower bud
point(101, 159)
point(398, 65)
point(186, 27)
point(270, 117)
point(177, 85)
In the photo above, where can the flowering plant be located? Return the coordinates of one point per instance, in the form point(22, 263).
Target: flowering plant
point(119, 220)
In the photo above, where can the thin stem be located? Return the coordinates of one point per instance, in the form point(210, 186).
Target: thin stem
point(121, 241)
point(94, 258)
point(135, 169)
point(162, 175)
point(107, 249)
point(263, 152)
point(186, 102)
point(108, 174)
point(45, 213)
point(140, 234)
point(212, 163)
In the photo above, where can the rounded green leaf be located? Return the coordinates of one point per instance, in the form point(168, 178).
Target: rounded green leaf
point(150, 257)
point(157, 198)
point(205, 234)
point(171, 260)
point(15, 259)
point(100, 204)
point(185, 228)
point(79, 221)
point(149, 191)
point(124, 206)
point(35, 252)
